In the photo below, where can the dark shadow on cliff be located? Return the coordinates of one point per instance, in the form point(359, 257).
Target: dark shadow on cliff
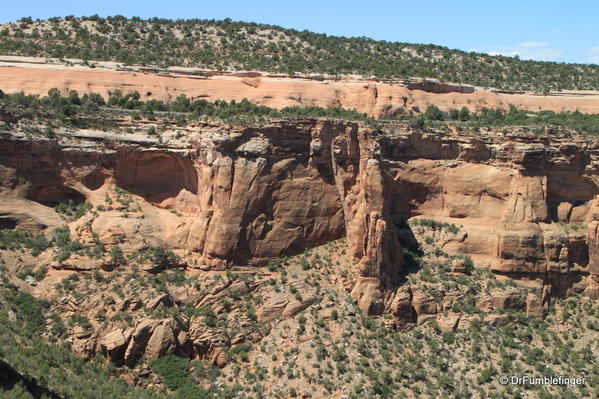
point(9, 378)
point(411, 249)
point(53, 194)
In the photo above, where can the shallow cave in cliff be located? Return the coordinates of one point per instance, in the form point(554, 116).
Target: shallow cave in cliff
point(54, 194)
point(95, 180)
point(8, 223)
point(568, 196)
point(156, 176)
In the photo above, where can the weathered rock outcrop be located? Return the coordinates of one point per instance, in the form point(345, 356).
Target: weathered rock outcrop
point(435, 86)
point(376, 98)
point(527, 205)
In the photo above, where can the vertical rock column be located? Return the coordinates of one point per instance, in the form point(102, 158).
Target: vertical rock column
point(592, 289)
point(359, 176)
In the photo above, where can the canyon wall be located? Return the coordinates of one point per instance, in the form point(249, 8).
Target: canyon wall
point(526, 206)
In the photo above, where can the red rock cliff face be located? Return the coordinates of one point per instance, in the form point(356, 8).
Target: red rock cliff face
point(527, 205)
point(247, 195)
point(263, 194)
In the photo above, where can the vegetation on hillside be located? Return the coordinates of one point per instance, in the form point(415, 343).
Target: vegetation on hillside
point(329, 348)
point(74, 110)
point(30, 367)
point(93, 111)
point(229, 45)
point(554, 121)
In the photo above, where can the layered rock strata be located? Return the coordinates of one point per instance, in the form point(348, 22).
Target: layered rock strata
point(526, 205)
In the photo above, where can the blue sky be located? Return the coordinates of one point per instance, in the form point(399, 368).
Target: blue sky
point(565, 31)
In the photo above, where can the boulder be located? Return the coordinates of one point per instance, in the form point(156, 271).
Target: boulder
point(77, 262)
point(272, 308)
point(113, 345)
point(162, 299)
point(425, 306)
point(31, 281)
point(497, 320)
point(140, 337)
point(513, 299)
point(85, 347)
point(534, 306)
point(449, 323)
point(219, 358)
point(459, 265)
point(402, 310)
point(368, 296)
point(162, 341)
point(184, 344)
point(295, 306)
point(465, 321)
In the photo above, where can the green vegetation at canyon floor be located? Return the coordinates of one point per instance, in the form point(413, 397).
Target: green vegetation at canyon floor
point(328, 348)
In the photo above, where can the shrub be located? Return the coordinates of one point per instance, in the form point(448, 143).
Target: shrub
point(31, 310)
point(158, 256)
point(72, 211)
point(81, 321)
point(486, 375)
point(449, 338)
point(274, 265)
point(13, 239)
point(210, 317)
point(62, 240)
point(116, 256)
point(435, 225)
point(173, 370)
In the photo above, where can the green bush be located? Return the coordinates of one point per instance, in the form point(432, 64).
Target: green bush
point(62, 241)
point(76, 112)
point(73, 211)
point(449, 338)
point(38, 274)
point(158, 256)
point(72, 111)
point(555, 121)
point(116, 256)
point(175, 376)
point(435, 225)
point(81, 321)
point(31, 310)
point(13, 239)
point(210, 317)
point(173, 370)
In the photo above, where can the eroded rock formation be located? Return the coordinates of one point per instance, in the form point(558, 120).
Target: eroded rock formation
point(376, 98)
point(527, 205)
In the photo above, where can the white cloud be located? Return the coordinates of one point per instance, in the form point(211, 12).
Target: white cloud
point(532, 44)
point(593, 55)
point(530, 50)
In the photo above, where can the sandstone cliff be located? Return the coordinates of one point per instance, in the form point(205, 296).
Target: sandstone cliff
point(375, 98)
point(526, 205)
